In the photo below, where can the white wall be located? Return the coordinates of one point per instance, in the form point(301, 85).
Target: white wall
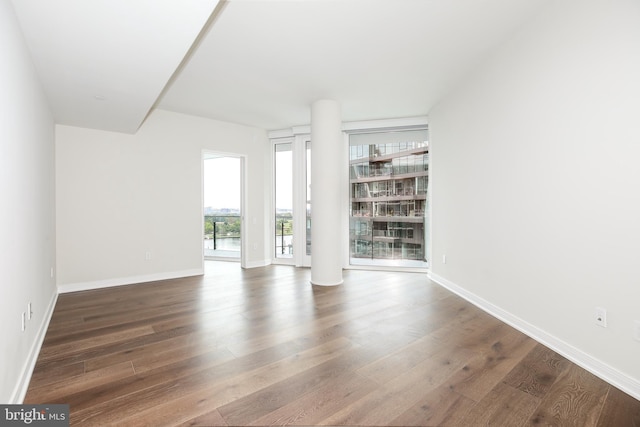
point(535, 166)
point(120, 196)
point(27, 211)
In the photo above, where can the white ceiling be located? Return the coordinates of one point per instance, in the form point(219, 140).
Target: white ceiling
point(103, 63)
point(259, 62)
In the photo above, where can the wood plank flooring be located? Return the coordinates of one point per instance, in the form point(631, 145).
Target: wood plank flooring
point(264, 347)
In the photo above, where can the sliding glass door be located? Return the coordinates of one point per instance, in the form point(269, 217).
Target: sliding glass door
point(292, 202)
point(283, 196)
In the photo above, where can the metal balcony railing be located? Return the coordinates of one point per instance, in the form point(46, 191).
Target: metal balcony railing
point(284, 235)
point(222, 235)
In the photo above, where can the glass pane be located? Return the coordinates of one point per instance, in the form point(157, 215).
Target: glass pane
point(283, 168)
point(388, 187)
point(308, 227)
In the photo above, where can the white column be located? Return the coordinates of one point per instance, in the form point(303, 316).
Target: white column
point(326, 161)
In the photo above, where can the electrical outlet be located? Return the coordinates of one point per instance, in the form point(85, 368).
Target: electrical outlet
point(600, 317)
point(147, 255)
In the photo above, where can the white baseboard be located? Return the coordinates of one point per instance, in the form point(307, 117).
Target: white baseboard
point(120, 281)
point(21, 388)
point(609, 374)
point(260, 263)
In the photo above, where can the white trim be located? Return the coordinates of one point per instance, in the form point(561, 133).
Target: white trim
point(20, 391)
point(357, 126)
point(260, 263)
point(301, 259)
point(327, 284)
point(301, 130)
point(390, 268)
point(203, 155)
point(577, 356)
point(243, 208)
point(385, 125)
point(281, 133)
point(120, 281)
point(345, 196)
point(214, 154)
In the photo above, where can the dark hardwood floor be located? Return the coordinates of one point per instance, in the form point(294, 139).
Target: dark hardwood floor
point(264, 347)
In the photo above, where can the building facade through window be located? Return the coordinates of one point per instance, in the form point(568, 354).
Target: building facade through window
point(389, 176)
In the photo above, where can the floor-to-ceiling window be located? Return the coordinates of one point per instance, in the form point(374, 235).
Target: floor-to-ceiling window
point(283, 189)
point(292, 200)
point(389, 175)
point(388, 200)
point(308, 198)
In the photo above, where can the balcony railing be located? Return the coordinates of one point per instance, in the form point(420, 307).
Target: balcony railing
point(284, 236)
point(222, 236)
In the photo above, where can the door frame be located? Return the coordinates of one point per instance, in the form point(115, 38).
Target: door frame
point(299, 198)
point(210, 154)
point(300, 175)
